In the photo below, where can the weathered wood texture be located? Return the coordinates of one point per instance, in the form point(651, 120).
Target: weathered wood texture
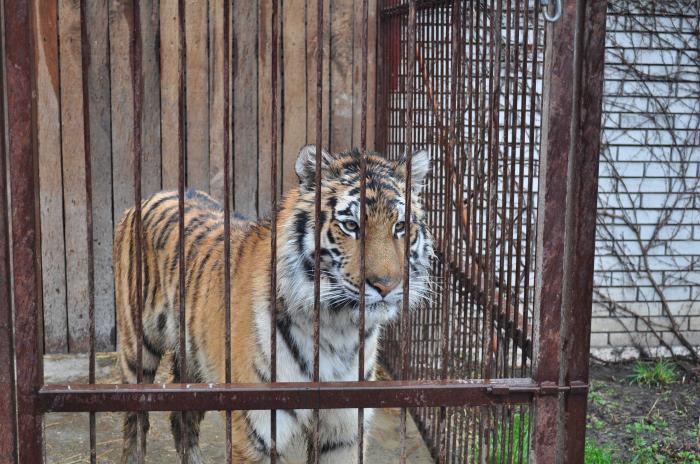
point(60, 123)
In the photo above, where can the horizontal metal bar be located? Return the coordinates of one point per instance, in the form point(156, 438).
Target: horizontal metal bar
point(299, 395)
point(575, 388)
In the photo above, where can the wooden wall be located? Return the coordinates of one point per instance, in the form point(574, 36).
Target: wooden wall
point(60, 122)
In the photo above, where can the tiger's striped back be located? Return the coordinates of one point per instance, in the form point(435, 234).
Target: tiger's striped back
point(204, 238)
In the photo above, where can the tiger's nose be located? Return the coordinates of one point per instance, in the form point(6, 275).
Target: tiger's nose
point(384, 285)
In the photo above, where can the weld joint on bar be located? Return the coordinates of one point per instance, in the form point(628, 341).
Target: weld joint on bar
point(575, 387)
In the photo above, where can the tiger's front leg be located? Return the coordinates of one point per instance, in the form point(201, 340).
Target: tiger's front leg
point(339, 435)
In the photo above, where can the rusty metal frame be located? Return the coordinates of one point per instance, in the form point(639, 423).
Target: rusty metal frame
point(8, 406)
point(571, 127)
point(557, 388)
point(282, 395)
point(24, 191)
point(582, 202)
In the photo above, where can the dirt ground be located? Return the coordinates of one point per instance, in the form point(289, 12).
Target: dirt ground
point(644, 424)
point(67, 440)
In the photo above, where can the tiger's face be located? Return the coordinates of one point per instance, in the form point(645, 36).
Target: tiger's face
point(386, 229)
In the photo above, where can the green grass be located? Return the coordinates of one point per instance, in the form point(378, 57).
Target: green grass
point(686, 457)
point(503, 435)
point(597, 454)
point(659, 373)
point(640, 427)
point(644, 451)
point(594, 454)
point(597, 398)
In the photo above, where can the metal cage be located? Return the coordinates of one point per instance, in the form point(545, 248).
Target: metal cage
point(495, 367)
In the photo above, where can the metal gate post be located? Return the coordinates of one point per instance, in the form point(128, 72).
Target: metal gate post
point(8, 408)
point(581, 221)
point(21, 112)
point(566, 229)
point(557, 112)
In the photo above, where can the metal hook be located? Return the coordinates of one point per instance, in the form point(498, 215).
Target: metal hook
point(557, 10)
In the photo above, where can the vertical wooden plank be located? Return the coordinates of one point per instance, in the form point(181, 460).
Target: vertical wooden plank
point(341, 75)
point(245, 109)
point(371, 72)
point(101, 155)
point(169, 39)
point(295, 88)
point(264, 102)
point(120, 12)
point(357, 72)
point(311, 71)
point(51, 178)
point(216, 97)
point(373, 8)
point(150, 120)
point(197, 82)
point(121, 94)
point(73, 148)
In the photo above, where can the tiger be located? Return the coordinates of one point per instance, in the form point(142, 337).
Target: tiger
point(251, 314)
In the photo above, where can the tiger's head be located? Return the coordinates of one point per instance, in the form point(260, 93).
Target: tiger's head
point(386, 229)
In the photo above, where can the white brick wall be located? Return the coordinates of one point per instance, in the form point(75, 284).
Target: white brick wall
point(651, 138)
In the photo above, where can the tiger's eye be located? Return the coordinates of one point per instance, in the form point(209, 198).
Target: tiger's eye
point(351, 225)
point(400, 227)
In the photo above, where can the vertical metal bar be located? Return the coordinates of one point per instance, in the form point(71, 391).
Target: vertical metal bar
point(22, 158)
point(317, 216)
point(521, 193)
point(85, 58)
point(557, 113)
point(363, 227)
point(483, 133)
point(273, 223)
point(506, 241)
point(182, 143)
point(530, 183)
point(8, 405)
point(227, 218)
point(481, 175)
point(490, 340)
point(581, 216)
point(137, 85)
point(495, 92)
point(447, 237)
point(417, 318)
point(471, 179)
point(181, 135)
point(505, 188)
point(434, 62)
point(459, 292)
point(408, 214)
point(512, 221)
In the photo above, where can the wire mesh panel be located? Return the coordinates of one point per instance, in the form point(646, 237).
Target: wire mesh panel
point(478, 111)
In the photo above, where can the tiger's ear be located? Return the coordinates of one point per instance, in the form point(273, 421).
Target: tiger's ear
point(420, 167)
point(305, 165)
